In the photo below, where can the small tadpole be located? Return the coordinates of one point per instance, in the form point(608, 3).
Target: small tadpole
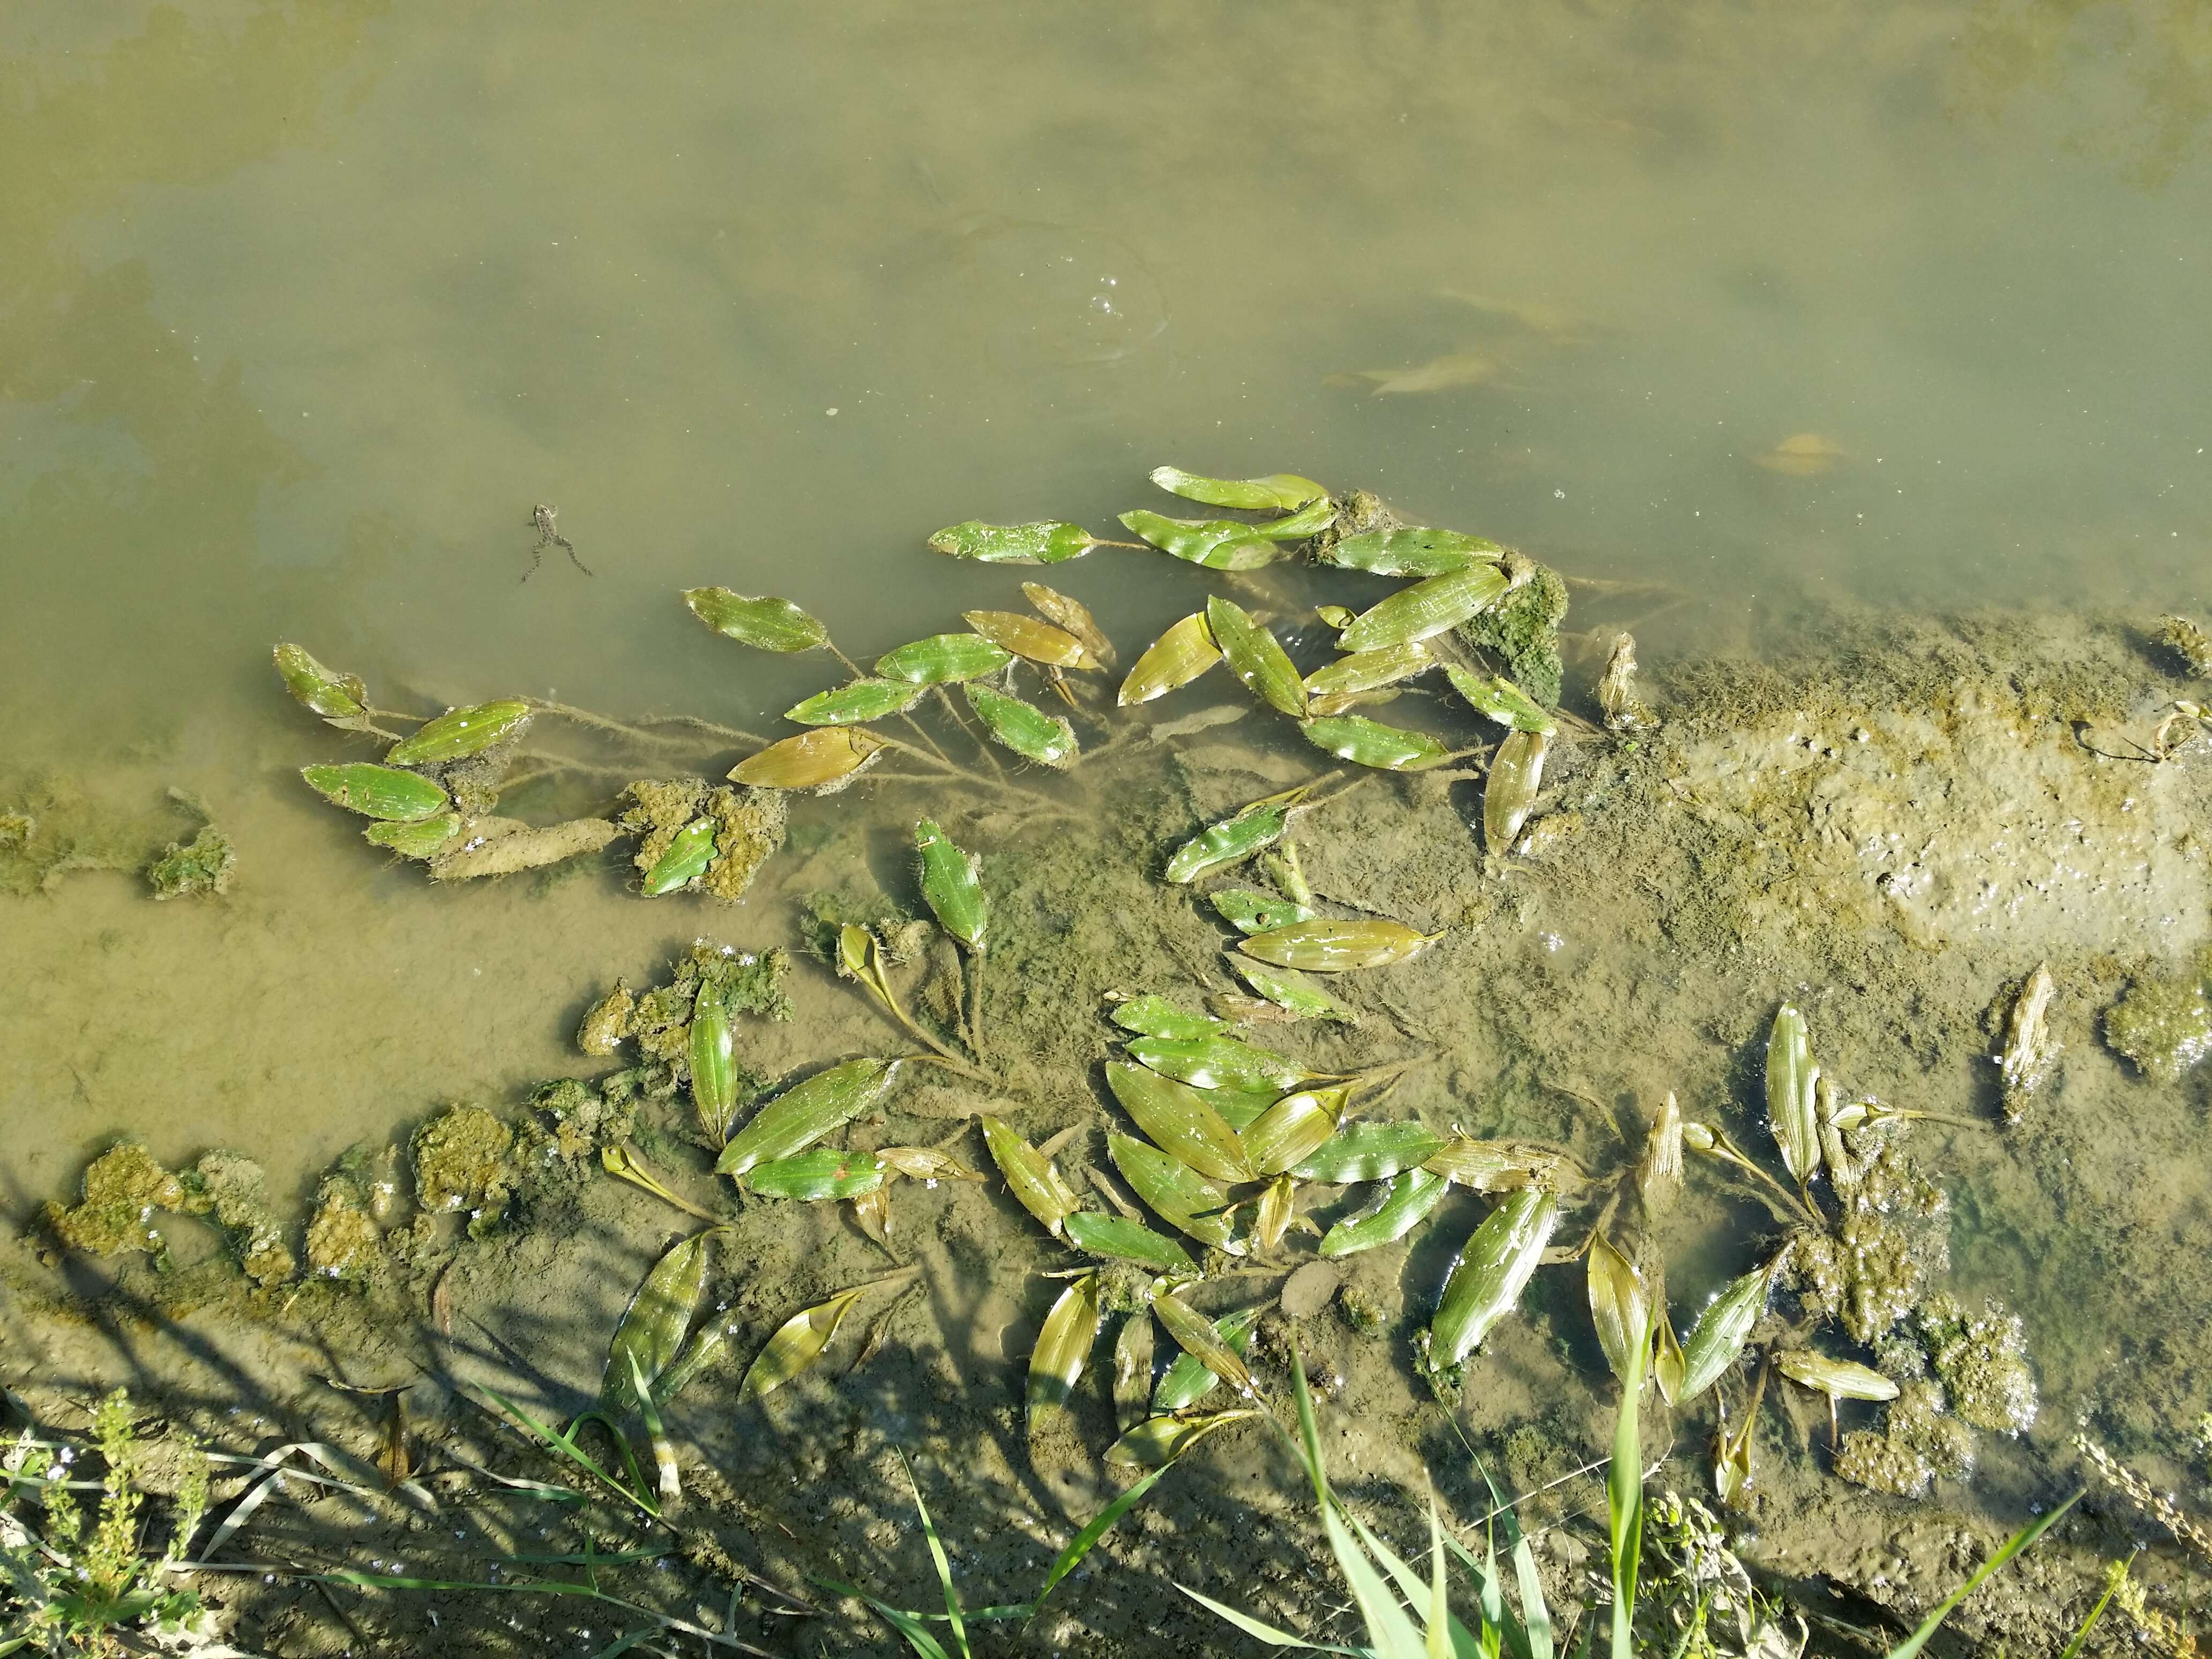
point(548, 533)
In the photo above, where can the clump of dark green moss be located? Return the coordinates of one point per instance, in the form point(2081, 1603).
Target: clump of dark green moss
point(202, 865)
point(2165, 1025)
point(124, 1189)
point(1523, 629)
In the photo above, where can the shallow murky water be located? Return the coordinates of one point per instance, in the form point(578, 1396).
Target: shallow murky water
point(303, 310)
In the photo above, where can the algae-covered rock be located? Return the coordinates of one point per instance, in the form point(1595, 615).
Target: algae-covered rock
point(1983, 1360)
point(124, 1187)
point(460, 1160)
point(343, 1241)
point(609, 1021)
point(234, 1188)
point(1523, 627)
point(202, 865)
point(2165, 1025)
point(749, 827)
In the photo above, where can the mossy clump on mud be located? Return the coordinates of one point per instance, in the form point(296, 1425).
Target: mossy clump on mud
point(1523, 627)
point(234, 1190)
point(343, 1241)
point(460, 1162)
point(1874, 1267)
point(124, 1188)
point(749, 826)
point(2165, 1025)
point(580, 1119)
point(202, 865)
point(1983, 1361)
point(52, 828)
point(2190, 644)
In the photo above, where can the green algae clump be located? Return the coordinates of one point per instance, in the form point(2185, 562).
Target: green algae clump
point(343, 1241)
point(1523, 627)
point(123, 1188)
point(582, 1121)
point(749, 825)
point(234, 1188)
point(460, 1160)
point(2164, 1026)
point(608, 1021)
point(202, 865)
point(1983, 1360)
point(1881, 1464)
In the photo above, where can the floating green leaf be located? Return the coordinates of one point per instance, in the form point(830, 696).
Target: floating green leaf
point(1030, 640)
point(686, 858)
point(1255, 826)
point(1500, 699)
point(1308, 520)
point(1178, 1118)
point(1790, 1076)
point(421, 839)
point(1049, 543)
point(340, 698)
point(1278, 492)
point(1417, 554)
point(1186, 1381)
point(765, 624)
point(652, 1328)
point(797, 1344)
point(1028, 732)
point(816, 1176)
point(1291, 991)
point(1328, 945)
point(1177, 1194)
point(855, 703)
point(1255, 657)
point(1112, 1237)
point(1158, 1441)
point(1063, 1346)
point(1194, 1334)
point(1216, 543)
point(377, 792)
point(1406, 1203)
point(952, 882)
point(1509, 794)
point(1427, 608)
point(1294, 1129)
point(1840, 1379)
point(1717, 1338)
point(1369, 671)
point(1370, 743)
point(1251, 912)
point(822, 759)
point(800, 1117)
point(1029, 1177)
point(1371, 1151)
point(458, 733)
point(711, 1044)
point(1171, 661)
point(1155, 1017)
point(1487, 1279)
point(942, 659)
point(1217, 1063)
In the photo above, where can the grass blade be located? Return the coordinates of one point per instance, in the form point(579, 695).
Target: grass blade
point(1100, 1525)
point(1258, 1629)
point(1389, 1627)
point(2113, 1579)
point(1623, 1494)
point(906, 1624)
point(2012, 1546)
point(943, 1563)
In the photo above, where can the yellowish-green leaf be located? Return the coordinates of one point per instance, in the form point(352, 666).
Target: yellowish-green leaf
point(1063, 1347)
point(1278, 492)
point(764, 624)
point(798, 1343)
point(823, 759)
point(1172, 661)
point(1255, 657)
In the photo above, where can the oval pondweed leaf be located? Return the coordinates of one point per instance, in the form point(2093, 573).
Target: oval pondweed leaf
point(1034, 1183)
point(1255, 657)
point(1294, 1129)
point(1492, 1271)
point(1501, 700)
point(952, 882)
point(1030, 732)
point(1717, 1339)
point(1186, 1381)
point(1292, 992)
point(856, 703)
point(377, 792)
point(1790, 1075)
point(421, 838)
point(1171, 661)
point(824, 759)
point(943, 659)
point(1030, 639)
point(1840, 1379)
point(1074, 617)
point(1251, 912)
point(1217, 1063)
point(1049, 543)
point(460, 733)
point(1416, 554)
point(1508, 793)
point(1133, 1369)
point(801, 1115)
point(1370, 743)
point(1194, 1334)
point(1063, 1347)
point(1278, 492)
point(685, 861)
point(822, 1175)
point(1309, 520)
point(1369, 671)
point(765, 624)
point(1426, 608)
point(1371, 1151)
point(712, 1049)
point(1255, 826)
point(652, 1328)
point(1175, 1192)
point(1406, 1203)
point(797, 1344)
point(1155, 1017)
point(1216, 543)
point(1178, 1118)
point(1326, 946)
point(340, 698)
point(1620, 1308)
point(1158, 1441)
point(1119, 1240)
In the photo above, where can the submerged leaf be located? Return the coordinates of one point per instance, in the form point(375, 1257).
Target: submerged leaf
point(1034, 1183)
point(1370, 743)
point(423, 838)
point(1406, 1203)
point(1434, 606)
point(856, 703)
point(1371, 1151)
point(765, 624)
point(818, 1177)
point(1308, 520)
point(712, 1053)
point(1278, 492)
point(1155, 1016)
point(1122, 1240)
point(1133, 1369)
point(942, 659)
point(338, 697)
point(1369, 671)
point(1030, 640)
point(1177, 1194)
point(1217, 1063)
point(1487, 1279)
point(1028, 732)
point(797, 1344)
point(1178, 1118)
point(1255, 826)
point(1840, 1379)
point(458, 733)
point(812, 760)
point(1291, 991)
point(1294, 1129)
point(1158, 1441)
point(1326, 946)
point(800, 1117)
point(1501, 700)
point(1509, 794)
point(652, 1328)
point(1048, 543)
point(1194, 1334)
point(1074, 617)
point(1413, 553)
point(1186, 1381)
point(1171, 661)
point(1063, 1346)
point(1620, 1308)
point(377, 792)
point(1216, 543)
point(952, 885)
point(1249, 912)
point(1255, 657)
point(685, 859)
point(1790, 1077)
